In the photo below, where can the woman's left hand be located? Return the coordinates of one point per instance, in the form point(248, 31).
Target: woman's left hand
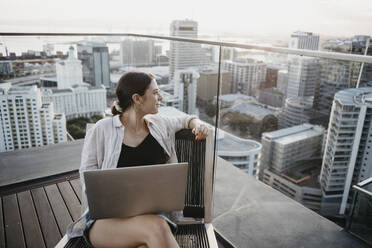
point(200, 130)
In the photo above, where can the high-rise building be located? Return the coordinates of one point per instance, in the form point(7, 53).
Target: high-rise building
point(69, 71)
point(25, 122)
point(184, 55)
point(271, 96)
point(95, 61)
point(347, 158)
point(303, 74)
point(296, 111)
point(185, 86)
point(304, 40)
point(287, 148)
point(137, 52)
point(247, 75)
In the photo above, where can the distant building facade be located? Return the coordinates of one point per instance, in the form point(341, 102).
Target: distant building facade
point(282, 81)
point(25, 122)
point(137, 52)
point(304, 40)
point(95, 60)
point(247, 75)
point(271, 96)
point(69, 71)
point(77, 101)
point(185, 86)
point(208, 82)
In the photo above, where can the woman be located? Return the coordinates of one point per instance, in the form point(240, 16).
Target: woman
point(136, 135)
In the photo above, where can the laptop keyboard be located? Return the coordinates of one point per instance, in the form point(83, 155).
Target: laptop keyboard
point(191, 236)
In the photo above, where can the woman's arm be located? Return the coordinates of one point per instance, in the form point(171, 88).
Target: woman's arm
point(198, 128)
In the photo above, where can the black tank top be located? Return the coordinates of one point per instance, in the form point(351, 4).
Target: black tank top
point(147, 153)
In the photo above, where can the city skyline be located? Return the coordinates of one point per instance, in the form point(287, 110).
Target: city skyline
point(276, 18)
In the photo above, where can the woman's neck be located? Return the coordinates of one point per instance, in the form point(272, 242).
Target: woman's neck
point(133, 120)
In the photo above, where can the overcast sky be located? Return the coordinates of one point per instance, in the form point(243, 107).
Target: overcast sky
point(240, 17)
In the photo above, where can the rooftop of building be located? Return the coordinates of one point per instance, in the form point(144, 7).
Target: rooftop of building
point(294, 133)
point(306, 173)
point(273, 91)
point(55, 90)
point(356, 96)
point(229, 142)
point(306, 102)
point(234, 97)
point(253, 109)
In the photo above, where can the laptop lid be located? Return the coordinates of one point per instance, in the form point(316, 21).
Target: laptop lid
point(131, 191)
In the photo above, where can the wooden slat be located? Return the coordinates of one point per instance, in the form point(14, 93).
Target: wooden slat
point(48, 224)
point(60, 210)
point(2, 232)
point(71, 200)
point(13, 223)
point(77, 187)
point(32, 231)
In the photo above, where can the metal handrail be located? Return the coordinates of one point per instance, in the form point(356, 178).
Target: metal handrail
point(301, 52)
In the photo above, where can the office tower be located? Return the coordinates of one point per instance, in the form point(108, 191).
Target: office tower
point(271, 78)
point(184, 55)
point(247, 75)
point(69, 71)
point(304, 40)
point(302, 76)
point(286, 148)
point(137, 52)
point(208, 82)
point(348, 153)
point(282, 81)
point(296, 111)
point(77, 101)
point(336, 75)
point(95, 60)
point(185, 85)
point(25, 122)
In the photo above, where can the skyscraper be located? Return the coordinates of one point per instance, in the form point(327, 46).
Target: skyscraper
point(185, 86)
point(348, 155)
point(25, 122)
point(95, 61)
point(302, 76)
point(296, 111)
point(184, 55)
point(304, 40)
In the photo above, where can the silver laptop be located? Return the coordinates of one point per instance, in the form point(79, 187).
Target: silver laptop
point(131, 191)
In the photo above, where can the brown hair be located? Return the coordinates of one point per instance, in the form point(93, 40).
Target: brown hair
point(133, 82)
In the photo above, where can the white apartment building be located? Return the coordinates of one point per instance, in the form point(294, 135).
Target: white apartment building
point(69, 71)
point(77, 101)
point(296, 111)
point(304, 40)
point(243, 153)
point(347, 157)
point(247, 75)
point(303, 74)
point(184, 54)
point(25, 122)
point(185, 86)
point(286, 148)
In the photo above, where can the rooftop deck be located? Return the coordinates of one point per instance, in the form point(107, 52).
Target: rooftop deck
point(247, 212)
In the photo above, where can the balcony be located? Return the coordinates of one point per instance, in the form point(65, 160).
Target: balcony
point(247, 212)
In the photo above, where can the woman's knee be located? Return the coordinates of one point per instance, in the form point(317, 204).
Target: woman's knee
point(157, 228)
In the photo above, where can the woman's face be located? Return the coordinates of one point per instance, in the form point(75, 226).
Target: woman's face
point(151, 99)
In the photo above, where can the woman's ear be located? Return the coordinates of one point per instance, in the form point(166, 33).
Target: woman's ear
point(136, 98)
